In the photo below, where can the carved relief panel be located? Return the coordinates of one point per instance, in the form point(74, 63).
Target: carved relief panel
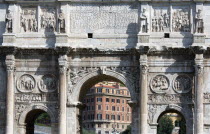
point(160, 19)
point(26, 83)
point(159, 84)
point(48, 19)
point(182, 84)
point(28, 20)
point(181, 19)
point(48, 83)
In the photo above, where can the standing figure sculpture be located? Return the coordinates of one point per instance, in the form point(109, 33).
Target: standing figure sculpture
point(199, 22)
point(61, 22)
point(8, 19)
point(144, 22)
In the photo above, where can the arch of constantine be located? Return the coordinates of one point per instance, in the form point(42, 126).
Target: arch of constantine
point(53, 51)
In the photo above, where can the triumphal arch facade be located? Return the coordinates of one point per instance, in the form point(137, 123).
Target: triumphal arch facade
point(52, 51)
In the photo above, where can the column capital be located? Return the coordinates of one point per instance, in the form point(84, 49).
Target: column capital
point(10, 63)
point(62, 61)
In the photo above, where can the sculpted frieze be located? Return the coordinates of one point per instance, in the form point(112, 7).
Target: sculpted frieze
point(28, 20)
point(181, 19)
point(199, 22)
point(161, 19)
point(159, 84)
point(206, 97)
point(170, 98)
point(182, 84)
point(26, 83)
point(29, 97)
point(48, 83)
point(48, 19)
point(19, 108)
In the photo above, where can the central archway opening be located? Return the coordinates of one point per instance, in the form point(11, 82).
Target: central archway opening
point(38, 122)
point(106, 108)
point(171, 122)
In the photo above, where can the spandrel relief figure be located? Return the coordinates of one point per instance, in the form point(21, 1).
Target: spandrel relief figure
point(199, 22)
point(61, 22)
point(159, 84)
point(48, 21)
point(180, 20)
point(8, 19)
point(144, 21)
point(160, 20)
point(28, 20)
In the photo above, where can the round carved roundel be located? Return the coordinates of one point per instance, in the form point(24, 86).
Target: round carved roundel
point(159, 84)
point(48, 83)
point(26, 83)
point(182, 84)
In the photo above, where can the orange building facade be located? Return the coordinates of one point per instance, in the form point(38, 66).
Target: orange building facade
point(107, 108)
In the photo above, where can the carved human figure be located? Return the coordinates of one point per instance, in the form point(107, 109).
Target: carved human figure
point(161, 24)
point(166, 19)
point(61, 22)
point(8, 19)
point(199, 22)
point(144, 23)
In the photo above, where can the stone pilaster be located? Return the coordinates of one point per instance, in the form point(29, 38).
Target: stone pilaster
point(10, 102)
point(62, 92)
point(199, 94)
point(143, 94)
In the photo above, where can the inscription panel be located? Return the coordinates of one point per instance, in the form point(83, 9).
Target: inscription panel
point(100, 18)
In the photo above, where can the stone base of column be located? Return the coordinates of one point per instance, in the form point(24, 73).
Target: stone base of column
point(143, 37)
point(61, 39)
point(199, 38)
point(9, 39)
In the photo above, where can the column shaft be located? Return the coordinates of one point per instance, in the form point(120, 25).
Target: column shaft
point(10, 106)
point(143, 95)
point(199, 99)
point(62, 92)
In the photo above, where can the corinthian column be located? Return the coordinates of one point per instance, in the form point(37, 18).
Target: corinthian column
point(199, 94)
point(62, 92)
point(10, 63)
point(143, 94)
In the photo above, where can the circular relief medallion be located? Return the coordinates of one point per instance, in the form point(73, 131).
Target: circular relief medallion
point(26, 83)
point(48, 83)
point(159, 84)
point(182, 84)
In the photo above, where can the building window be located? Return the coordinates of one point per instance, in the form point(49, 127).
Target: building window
point(123, 101)
point(99, 99)
point(107, 90)
point(92, 116)
point(123, 109)
point(112, 91)
point(99, 107)
point(99, 132)
point(107, 107)
point(118, 91)
point(92, 99)
point(107, 126)
point(123, 118)
point(118, 125)
point(122, 126)
point(118, 100)
point(113, 108)
point(99, 90)
point(106, 132)
point(84, 117)
point(128, 109)
point(113, 100)
point(128, 118)
point(118, 109)
point(118, 117)
point(99, 125)
point(93, 107)
point(107, 116)
point(113, 117)
point(99, 116)
point(107, 99)
point(122, 92)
